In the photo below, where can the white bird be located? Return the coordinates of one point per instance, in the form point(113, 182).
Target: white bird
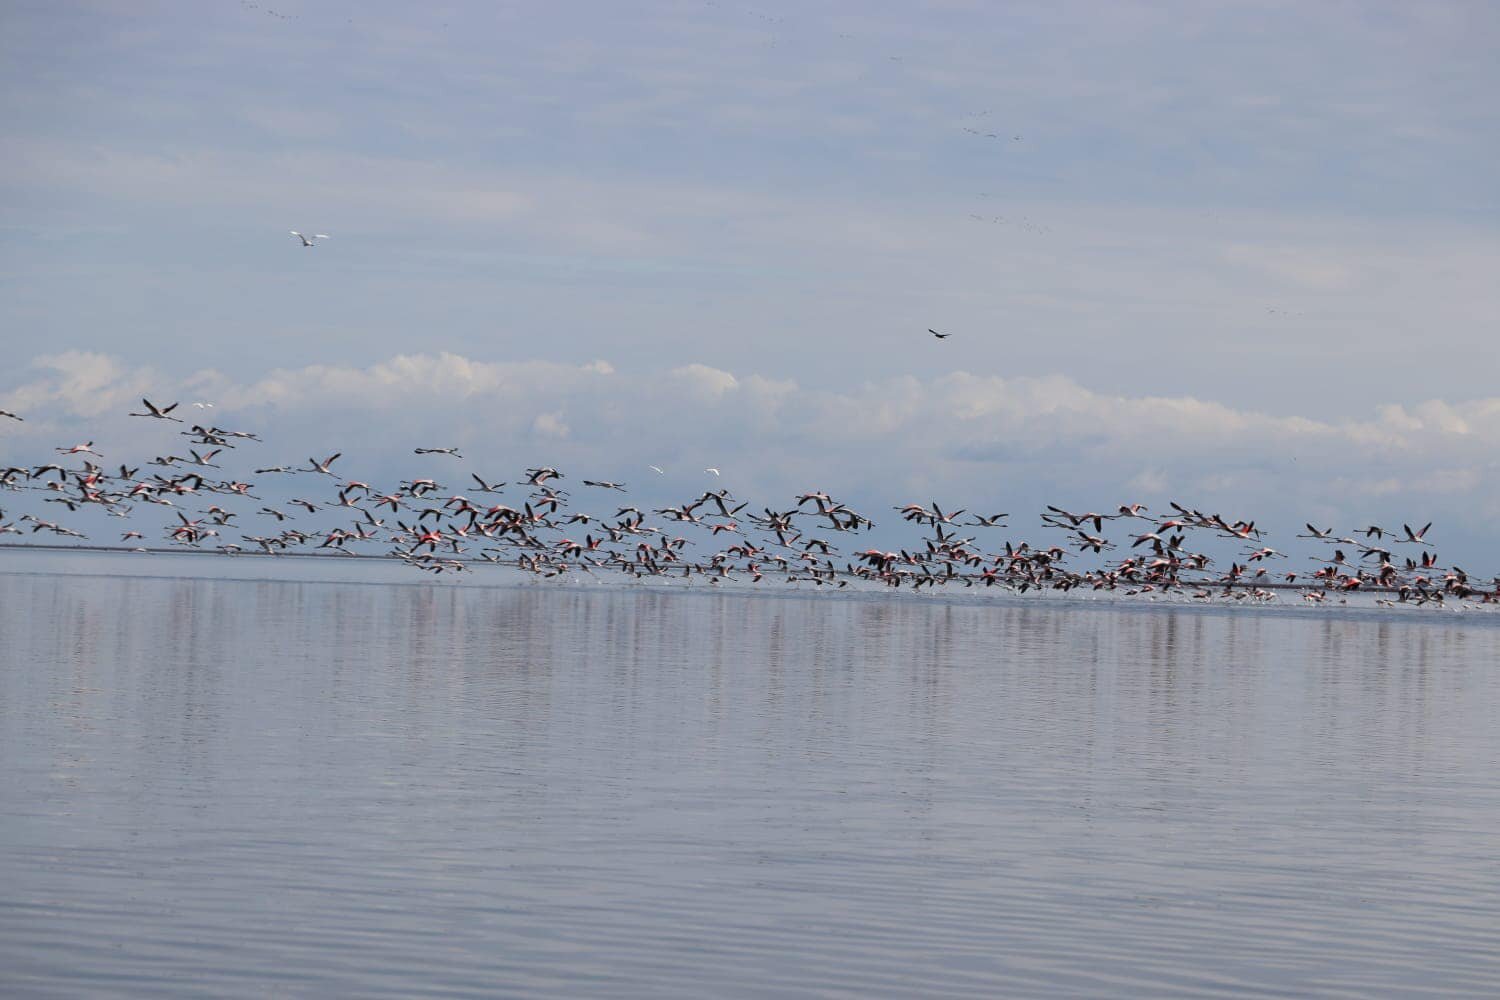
point(307, 241)
point(656, 469)
point(714, 471)
point(204, 406)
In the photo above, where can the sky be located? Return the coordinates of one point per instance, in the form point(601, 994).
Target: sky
point(1241, 255)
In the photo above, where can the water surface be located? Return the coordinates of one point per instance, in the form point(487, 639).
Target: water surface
point(251, 788)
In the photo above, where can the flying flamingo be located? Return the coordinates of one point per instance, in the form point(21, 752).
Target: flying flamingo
point(1415, 537)
point(159, 412)
point(78, 449)
point(322, 466)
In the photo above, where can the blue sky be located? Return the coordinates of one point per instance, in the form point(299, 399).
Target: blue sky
point(1259, 213)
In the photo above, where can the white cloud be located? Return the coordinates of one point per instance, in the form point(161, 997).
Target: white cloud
point(550, 425)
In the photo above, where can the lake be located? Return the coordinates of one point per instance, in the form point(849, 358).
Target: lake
point(312, 788)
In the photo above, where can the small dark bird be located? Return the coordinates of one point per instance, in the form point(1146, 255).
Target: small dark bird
point(939, 336)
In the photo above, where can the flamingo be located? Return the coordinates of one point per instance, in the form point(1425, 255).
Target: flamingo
point(158, 412)
point(307, 241)
point(79, 449)
point(1415, 537)
point(322, 466)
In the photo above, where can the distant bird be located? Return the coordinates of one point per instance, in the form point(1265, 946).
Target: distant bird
point(939, 336)
point(307, 241)
point(204, 406)
point(438, 451)
point(714, 471)
point(657, 469)
point(7, 413)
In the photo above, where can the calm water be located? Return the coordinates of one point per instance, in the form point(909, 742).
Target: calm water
point(246, 788)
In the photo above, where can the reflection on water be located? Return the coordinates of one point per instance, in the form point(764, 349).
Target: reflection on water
point(243, 788)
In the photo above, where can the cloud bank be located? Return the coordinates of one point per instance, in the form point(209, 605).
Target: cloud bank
point(982, 441)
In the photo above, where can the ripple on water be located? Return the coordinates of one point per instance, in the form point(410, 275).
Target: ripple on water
point(252, 788)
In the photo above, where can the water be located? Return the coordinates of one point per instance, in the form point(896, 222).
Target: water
point(253, 788)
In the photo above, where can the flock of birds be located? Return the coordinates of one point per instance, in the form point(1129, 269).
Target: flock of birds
point(538, 525)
